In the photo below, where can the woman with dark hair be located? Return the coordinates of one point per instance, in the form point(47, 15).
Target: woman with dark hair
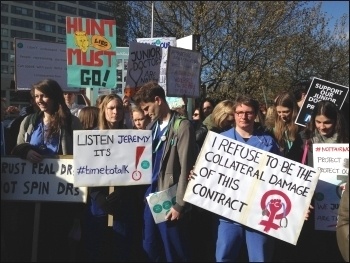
point(49, 132)
point(206, 107)
point(326, 125)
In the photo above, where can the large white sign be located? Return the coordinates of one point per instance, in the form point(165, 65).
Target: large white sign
point(50, 180)
point(253, 187)
point(332, 160)
point(112, 157)
point(37, 60)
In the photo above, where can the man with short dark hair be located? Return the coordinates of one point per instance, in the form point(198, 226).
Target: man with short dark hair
point(174, 153)
point(70, 98)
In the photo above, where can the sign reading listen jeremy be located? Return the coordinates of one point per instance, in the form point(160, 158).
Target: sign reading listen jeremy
point(91, 45)
point(49, 180)
point(112, 157)
point(261, 190)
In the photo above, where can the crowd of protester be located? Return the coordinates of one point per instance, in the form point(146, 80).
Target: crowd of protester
point(190, 233)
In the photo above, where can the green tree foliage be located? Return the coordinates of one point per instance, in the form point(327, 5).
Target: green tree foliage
point(250, 46)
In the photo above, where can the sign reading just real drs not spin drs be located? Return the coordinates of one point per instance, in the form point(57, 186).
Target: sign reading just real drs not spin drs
point(261, 190)
point(112, 157)
point(49, 180)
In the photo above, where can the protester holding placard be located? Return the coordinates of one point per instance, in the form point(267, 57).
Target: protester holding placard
point(125, 203)
point(231, 235)
point(49, 132)
point(173, 157)
point(327, 125)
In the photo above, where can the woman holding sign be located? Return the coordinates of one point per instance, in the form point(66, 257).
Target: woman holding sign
point(49, 132)
point(124, 203)
point(327, 125)
point(231, 235)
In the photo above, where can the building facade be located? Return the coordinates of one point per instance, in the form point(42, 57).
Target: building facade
point(44, 21)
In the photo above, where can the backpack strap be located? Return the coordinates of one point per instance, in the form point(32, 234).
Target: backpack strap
point(177, 122)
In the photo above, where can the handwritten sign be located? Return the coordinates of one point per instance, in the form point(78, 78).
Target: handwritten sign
point(320, 90)
point(143, 64)
point(261, 190)
point(50, 180)
point(91, 45)
point(183, 72)
point(112, 157)
point(164, 43)
point(332, 160)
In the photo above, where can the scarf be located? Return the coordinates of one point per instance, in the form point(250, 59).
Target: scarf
point(318, 138)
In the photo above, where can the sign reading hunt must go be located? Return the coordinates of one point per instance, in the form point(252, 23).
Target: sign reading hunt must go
point(91, 51)
point(50, 180)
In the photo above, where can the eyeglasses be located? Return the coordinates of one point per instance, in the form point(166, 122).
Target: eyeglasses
point(195, 114)
point(242, 113)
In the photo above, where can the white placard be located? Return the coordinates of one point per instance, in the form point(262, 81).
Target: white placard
point(332, 160)
point(253, 187)
point(37, 60)
point(161, 202)
point(50, 180)
point(112, 157)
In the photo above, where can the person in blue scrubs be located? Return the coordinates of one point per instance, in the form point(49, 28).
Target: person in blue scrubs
point(173, 158)
point(232, 235)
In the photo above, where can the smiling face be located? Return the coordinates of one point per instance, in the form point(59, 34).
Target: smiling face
point(44, 103)
point(324, 125)
point(114, 112)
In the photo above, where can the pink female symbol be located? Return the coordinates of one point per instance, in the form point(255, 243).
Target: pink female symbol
point(274, 206)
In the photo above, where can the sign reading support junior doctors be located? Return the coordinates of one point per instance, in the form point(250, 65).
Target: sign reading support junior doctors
point(258, 189)
point(320, 90)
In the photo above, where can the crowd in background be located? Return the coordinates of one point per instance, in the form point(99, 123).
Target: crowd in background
point(194, 234)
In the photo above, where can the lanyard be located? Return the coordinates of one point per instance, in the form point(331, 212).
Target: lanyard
point(162, 137)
